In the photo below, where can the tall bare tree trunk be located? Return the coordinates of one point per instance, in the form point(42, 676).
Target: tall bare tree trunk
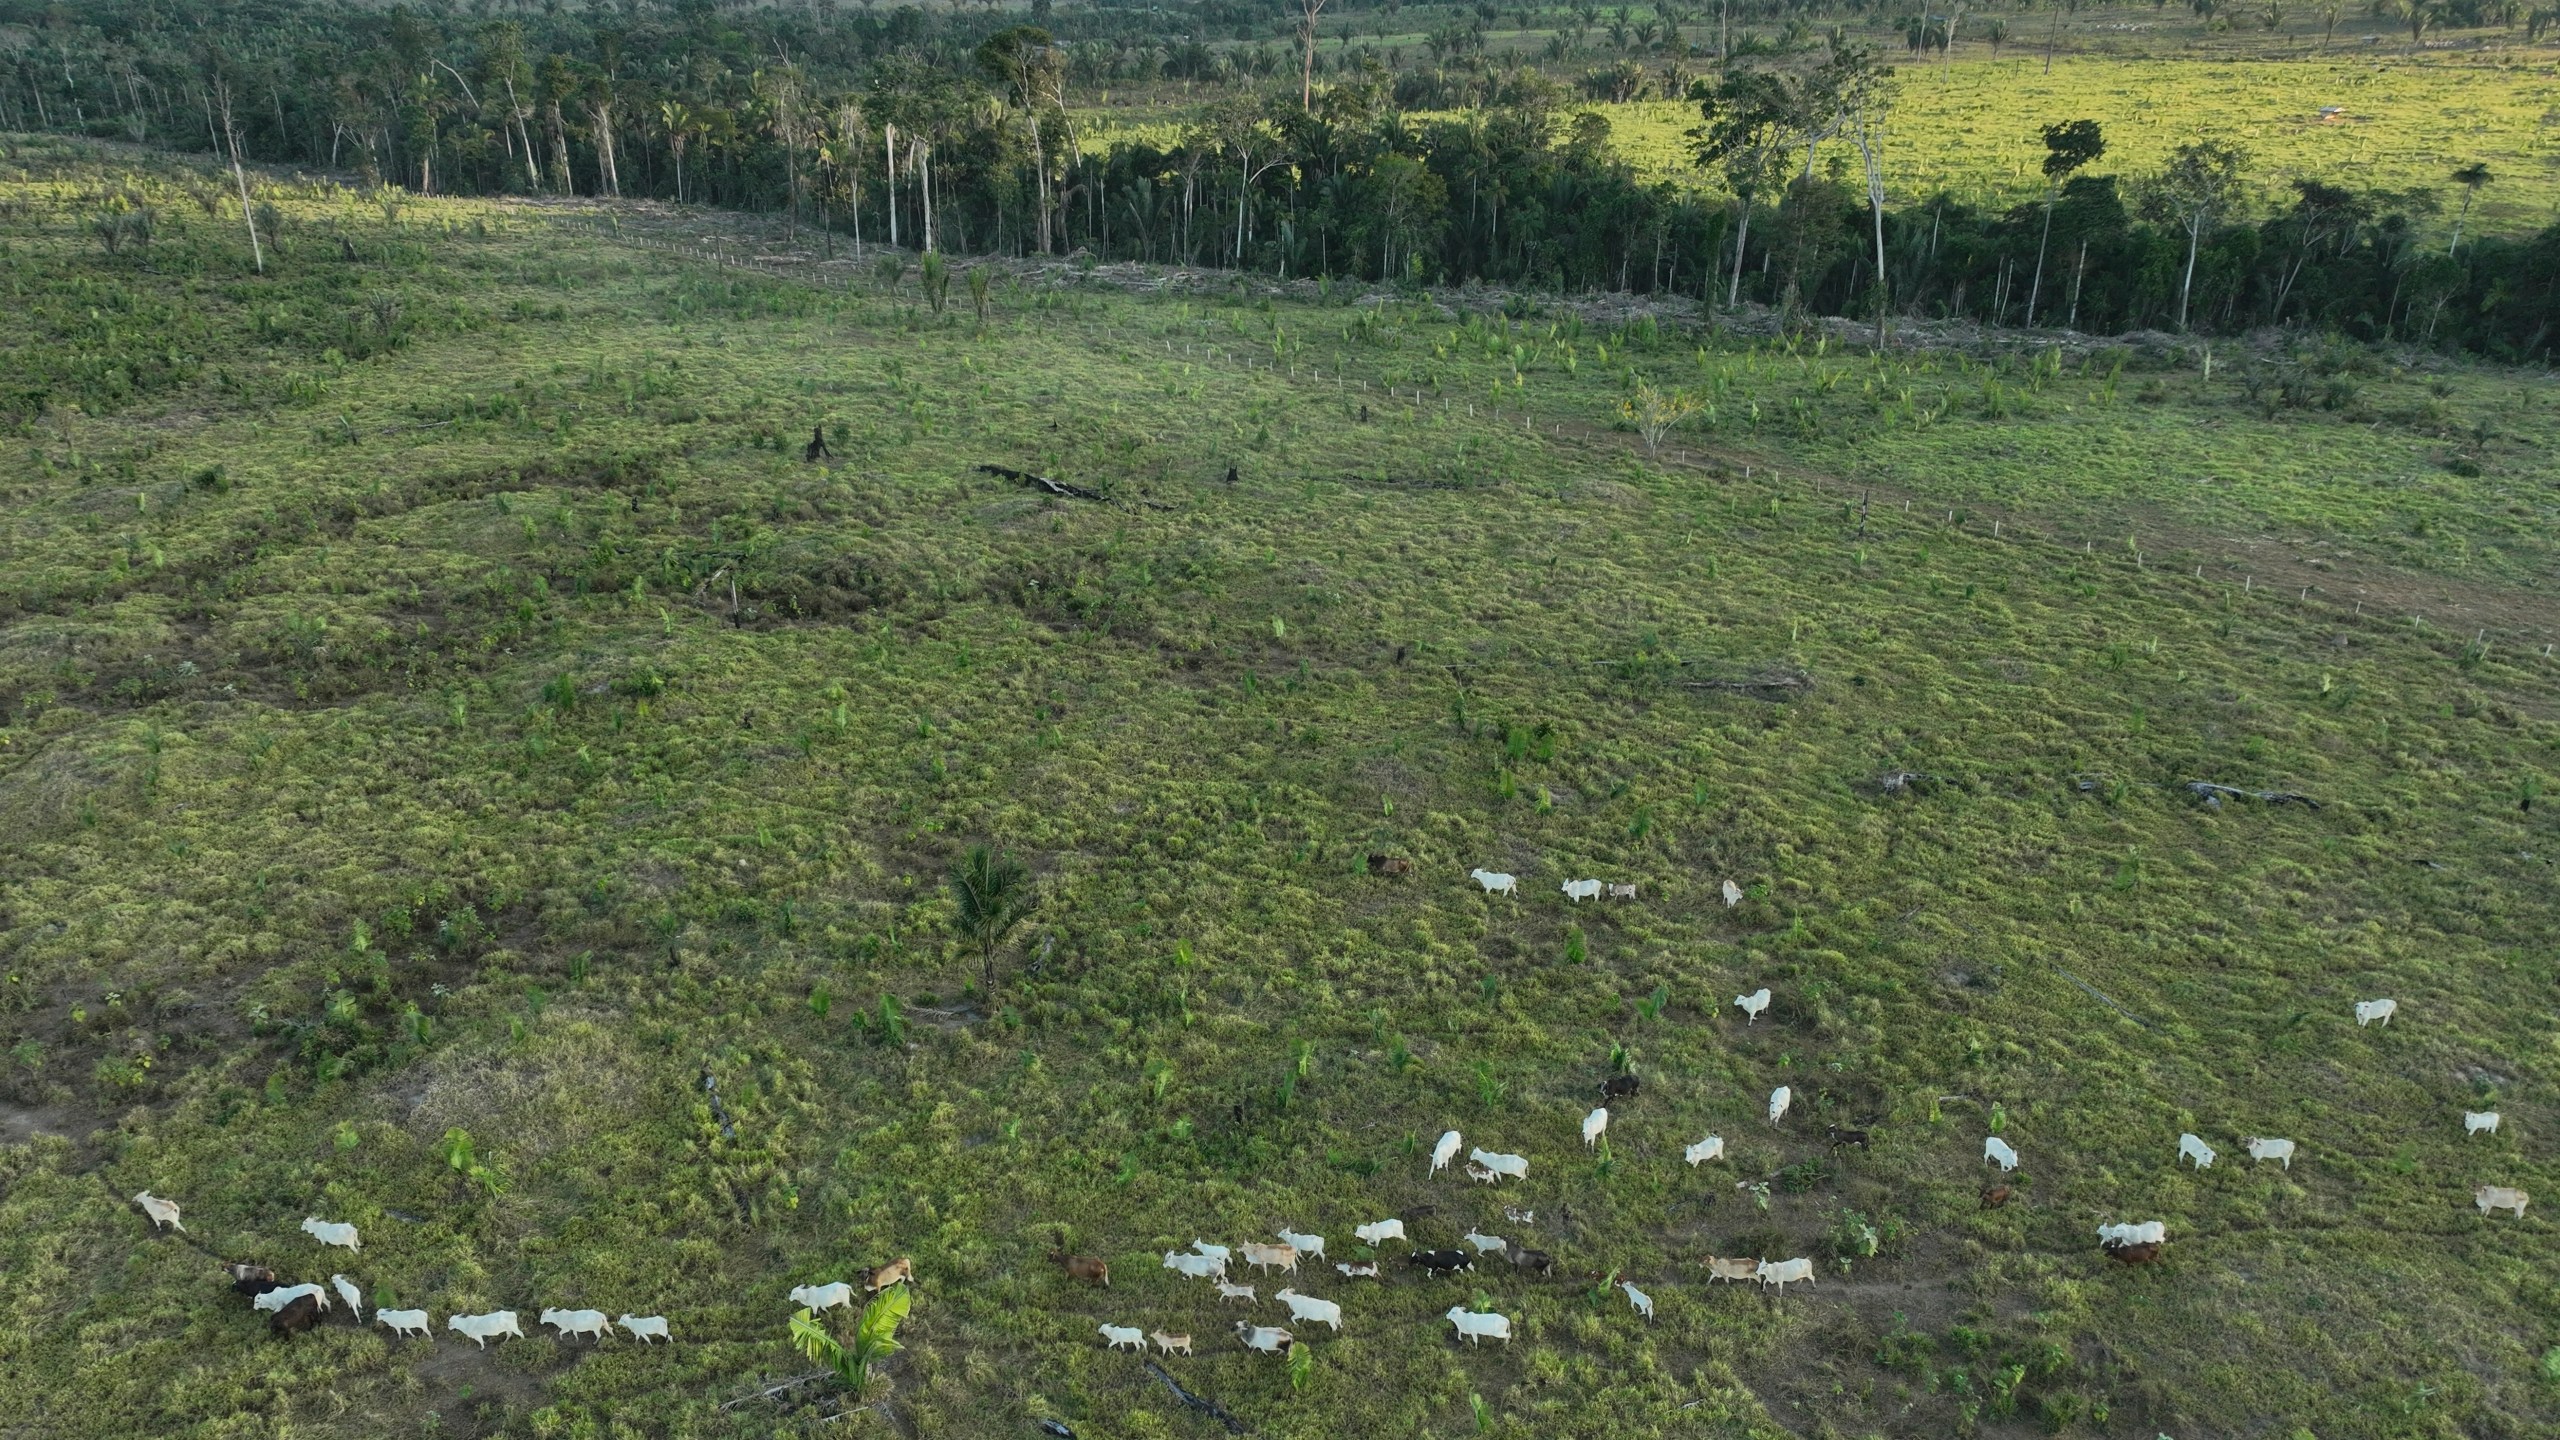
point(231, 134)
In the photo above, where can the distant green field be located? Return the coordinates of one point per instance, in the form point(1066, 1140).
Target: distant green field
point(436, 695)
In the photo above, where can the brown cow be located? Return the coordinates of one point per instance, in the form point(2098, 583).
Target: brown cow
point(250, 1279)
point(303, 1314)
point(1996, 1196)
point(1390, 865)
point(1841, 1139)
point(901, 1271)
point(1536, 1261)
point(2142, 1254)
point(1091, 1269)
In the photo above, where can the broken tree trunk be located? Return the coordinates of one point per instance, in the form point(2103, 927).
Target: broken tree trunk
point(2212, 794)
point(1201, 1403)
point(1044, 483)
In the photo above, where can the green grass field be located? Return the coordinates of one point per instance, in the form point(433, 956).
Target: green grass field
point(435, 694)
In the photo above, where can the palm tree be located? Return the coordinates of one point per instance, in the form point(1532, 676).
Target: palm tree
point(2470, 177)
point(681, 125)
point(993, 892)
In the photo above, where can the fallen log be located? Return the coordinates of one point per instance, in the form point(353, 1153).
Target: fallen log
point(2211, 794)
point(1043, 483)
point(1201, 1403)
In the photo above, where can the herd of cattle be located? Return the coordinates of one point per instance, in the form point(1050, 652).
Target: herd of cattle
point(295, 1308)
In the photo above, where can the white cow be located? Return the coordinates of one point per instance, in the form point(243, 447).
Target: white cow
point(404, 1322)
point(822, 1297)
point(279, 1298)
point(2475, 1121)
point(1444, 1152)
point(1219, 1253)
point(1307, 1309)
point(576, 1322)
point(1752, 1004)
point(1779, 1100)
point(1732, 894)
point(1125, 1336)
point(2368, 1011)
point(1475, 1327)
point(2192, 1147)
point(1280, 1257)
point(1365, 1271)
point(1578, 891)
point(1711, 1148)
point(1269, 1339)
point(1720, 1268)
point(1995, 1148)
point(485, 1328)
point(2149, 1232)
point(328, 1233)
point(163, 1213)
point(1622, 892)
point(1495, 882)
point(1514, 1166)
point(1779, 1272)
point(1378, 1232)
point(644, 1327)
point(2264, 1149)
point(1481, 1175)
point(1235, 1292)
point(1594, 1125)
point(1637, 1298)
point(354, 1297)
point(2500, 1197)
point(1307, 1244)
point(1198, 1267)
point(1485, 1244)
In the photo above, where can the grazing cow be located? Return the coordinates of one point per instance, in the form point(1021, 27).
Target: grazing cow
point(822, 1297)
point(1519, 1217)
point(1365, 1270)
point(2475, 1121)
point(1711, 1148)
point(1307, 1244)
point(2142, 1254)
point(1219, 1253)
point(2149, 1232)
point(354, 1297)
point(1996, 1149)
point(1125, 1336)
point(1732, 894)
point(901, 1271)
point(1475, 1327)
point(2261, 1149)
point(1198, 1267)
point(1441, 1262)
point(1752, 1004)
point(1842, 1139)
point(1637, 1298)
point(646, 1327)
point(1390, 865)
point(1619, 1087)
point(1168, 1344)
point(1514, 1166)
point(1444, 1152)
point(1271, 1257)
point(576, 1322)
point(1495, 882)
point(297, 1317)
point(1594, 1125)
point(1720, 1268)
point(1481, 1175)
point(250, 1279)
point(1378, 1232)
point(163, 1213)
point(328, 1233)
point(1578, 891)
point(2500, 1197)
point(405, 1322)
point(485, 1328)
point(1307, 1309)
point(2368, 1011)
point(1485, 1243)
point(1091, 1269)
point(1235, 1292)
point(1269, 1339)
point(1779, 1100)
point(2192, 1147)
point(282, 1296)
point(1536, 1261)
point(1995, 1196)
point(1779, 1272)
point(1622, 892)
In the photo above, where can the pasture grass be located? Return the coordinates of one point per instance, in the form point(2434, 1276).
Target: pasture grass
point(386, 754)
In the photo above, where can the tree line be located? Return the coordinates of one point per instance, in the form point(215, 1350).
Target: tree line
point(953, 131)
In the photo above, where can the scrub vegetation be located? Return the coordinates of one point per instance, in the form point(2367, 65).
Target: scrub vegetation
point(470, 772)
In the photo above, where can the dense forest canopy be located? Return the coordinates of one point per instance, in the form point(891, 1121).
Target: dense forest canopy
point(969, 130)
